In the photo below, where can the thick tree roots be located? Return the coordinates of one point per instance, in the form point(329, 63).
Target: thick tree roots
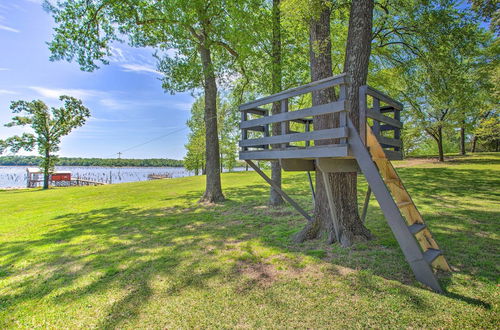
point(319, 228)
point(212, 197)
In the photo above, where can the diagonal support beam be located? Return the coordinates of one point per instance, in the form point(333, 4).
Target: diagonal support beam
point(313, 193)
point(279, 191)
point(365, 205)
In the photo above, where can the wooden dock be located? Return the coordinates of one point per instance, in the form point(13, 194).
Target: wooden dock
point(82, 182)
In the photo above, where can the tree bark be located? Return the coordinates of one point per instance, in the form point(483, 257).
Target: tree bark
point(462, 139)
point(46, 169)
point(213, 190)
point(344, 185)
point(275, 199)
point(474, 143)
point(356, 65)
point(320, 62)
point(440, 143)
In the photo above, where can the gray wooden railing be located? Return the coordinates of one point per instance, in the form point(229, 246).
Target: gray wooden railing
point(257, 143)
point(383, 125)
point(262, 147)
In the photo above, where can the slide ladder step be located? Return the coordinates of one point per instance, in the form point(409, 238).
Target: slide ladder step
point(431, 254)
point(416, 228)
point(404, 204)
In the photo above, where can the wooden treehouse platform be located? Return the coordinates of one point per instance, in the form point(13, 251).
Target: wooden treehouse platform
point(343, 148)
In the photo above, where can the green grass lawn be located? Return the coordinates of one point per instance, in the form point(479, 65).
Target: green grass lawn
point(147, 255)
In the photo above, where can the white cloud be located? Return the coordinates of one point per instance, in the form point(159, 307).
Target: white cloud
point(112, 103)
point(54, 93)
point(5, 91)
point(4, 69)
point(8, 28)
point(117, 54)
point(184, 106)
point(140, 68)
point(105, 120)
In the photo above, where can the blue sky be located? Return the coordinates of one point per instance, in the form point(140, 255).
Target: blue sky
point(126, 100)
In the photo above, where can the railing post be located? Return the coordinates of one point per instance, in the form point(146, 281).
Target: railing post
point(376, 123)
point(266, 131)
point(244, 132)
point(343, 114)
point(308, 129)
point(284, 124)
point(397, 130)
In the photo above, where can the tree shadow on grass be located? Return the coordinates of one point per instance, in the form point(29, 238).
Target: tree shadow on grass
point(126, 249)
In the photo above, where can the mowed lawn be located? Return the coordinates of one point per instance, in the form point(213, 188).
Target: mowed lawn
point(146, 255)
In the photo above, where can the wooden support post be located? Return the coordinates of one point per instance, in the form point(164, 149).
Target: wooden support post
point(313, 194)
point(279, 191)
point(331, 202)
point(365, 205)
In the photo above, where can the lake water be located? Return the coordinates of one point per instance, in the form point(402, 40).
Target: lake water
point(15, 176)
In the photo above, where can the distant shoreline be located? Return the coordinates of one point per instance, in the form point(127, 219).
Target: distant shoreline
point(78, 161)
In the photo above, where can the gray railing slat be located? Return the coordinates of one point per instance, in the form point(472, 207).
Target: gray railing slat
point(389, 141)
point(332, 133)
point(332, 150)
point(307, 88)
point(298, 114)
point(384, 97)
point(380, 117)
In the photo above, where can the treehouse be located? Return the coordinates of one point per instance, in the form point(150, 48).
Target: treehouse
point(299, 147)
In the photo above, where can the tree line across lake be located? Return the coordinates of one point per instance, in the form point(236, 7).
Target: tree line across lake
point(74, 161)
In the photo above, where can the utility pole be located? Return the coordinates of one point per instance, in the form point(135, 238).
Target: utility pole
point(119, 155)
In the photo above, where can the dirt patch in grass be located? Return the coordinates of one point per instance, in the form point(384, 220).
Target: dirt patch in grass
point(415, 162)
point(259, 273)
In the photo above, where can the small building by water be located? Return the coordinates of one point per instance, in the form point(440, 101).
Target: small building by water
point(58, 178)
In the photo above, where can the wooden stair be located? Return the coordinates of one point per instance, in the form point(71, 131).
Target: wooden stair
point(416, 242)
point(406, 205)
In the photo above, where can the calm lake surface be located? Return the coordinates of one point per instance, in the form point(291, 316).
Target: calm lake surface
point(15, 176)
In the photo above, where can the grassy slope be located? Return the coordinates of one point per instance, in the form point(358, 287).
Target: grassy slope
point(146, 254)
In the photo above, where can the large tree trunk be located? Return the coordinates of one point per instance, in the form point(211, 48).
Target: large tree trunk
point(440, 143)
point(276, 73)
point(213, 190)
point(320, 62)
point(462, 139)
point(344, 185)
point(46, 169)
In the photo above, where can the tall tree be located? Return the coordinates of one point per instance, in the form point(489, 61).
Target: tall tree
point(227, 125)
point(200, 34)
point(276, 86)
point(48, 125)
point(344, 185)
